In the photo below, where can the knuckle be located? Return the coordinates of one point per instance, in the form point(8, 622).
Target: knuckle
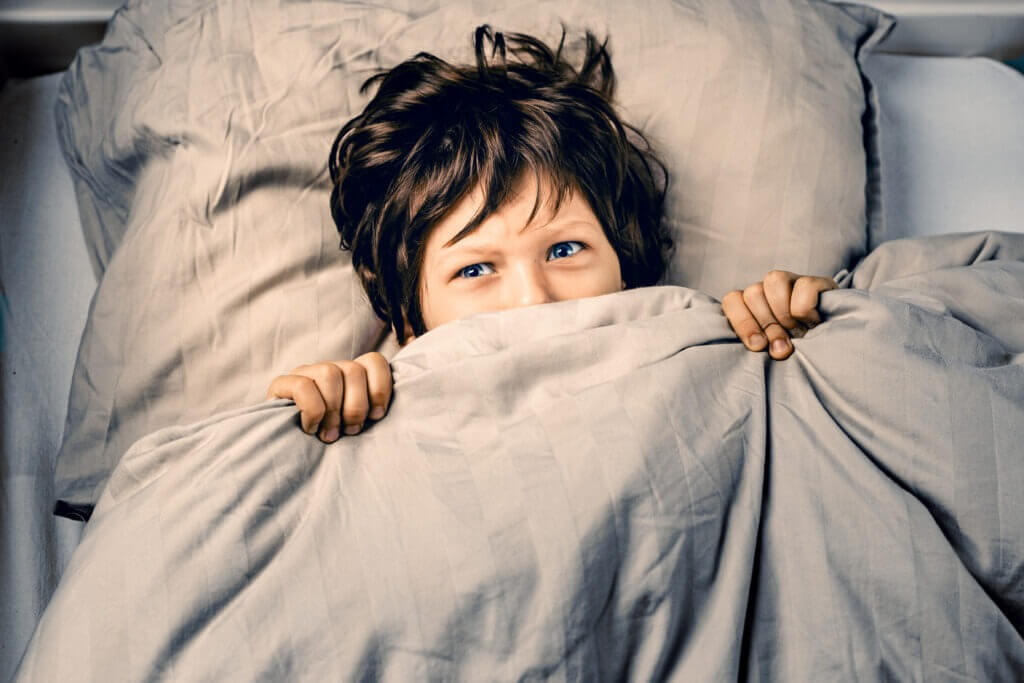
point(804, 299)
point(785, 319)
point(274, 389)
point(753, 291)
point(314, 413)
point(354, 416)
point(350, 368)
point(747, 334)
point(371, 357)
point(800, 307)
point(326, 371)
point(774, 276)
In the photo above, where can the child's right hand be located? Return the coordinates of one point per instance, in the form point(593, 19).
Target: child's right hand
point(335, 392)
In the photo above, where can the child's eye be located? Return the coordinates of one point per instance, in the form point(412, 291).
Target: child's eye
point(565, 249)
point(475, 270)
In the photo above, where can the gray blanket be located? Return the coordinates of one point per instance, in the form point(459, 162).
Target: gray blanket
point(609, 488)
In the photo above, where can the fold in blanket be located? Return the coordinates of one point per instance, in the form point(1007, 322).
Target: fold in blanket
point(608, 488)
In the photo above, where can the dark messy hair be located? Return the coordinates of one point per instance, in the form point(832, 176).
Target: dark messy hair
point(435, 131)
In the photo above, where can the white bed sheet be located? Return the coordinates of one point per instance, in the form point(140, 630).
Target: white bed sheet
point(952, 146)
point(47, 284)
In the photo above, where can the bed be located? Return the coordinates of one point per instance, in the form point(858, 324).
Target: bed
point(196, 563)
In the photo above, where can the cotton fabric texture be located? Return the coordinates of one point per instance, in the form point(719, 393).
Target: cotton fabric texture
point(951, 139)
point(198, 134)
point(635, 497)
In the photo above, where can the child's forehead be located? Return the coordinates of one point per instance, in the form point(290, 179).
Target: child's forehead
point(535, 199)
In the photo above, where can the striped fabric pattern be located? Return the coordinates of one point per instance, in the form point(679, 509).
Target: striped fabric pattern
point(609, 488)
point(198, 134)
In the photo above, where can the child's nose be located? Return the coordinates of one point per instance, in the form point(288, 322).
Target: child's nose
point(530, 287)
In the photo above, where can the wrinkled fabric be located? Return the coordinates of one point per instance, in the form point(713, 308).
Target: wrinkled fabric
point(607, 488)
point(198, 134)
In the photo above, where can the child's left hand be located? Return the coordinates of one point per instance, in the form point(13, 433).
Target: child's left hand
point(769, 312)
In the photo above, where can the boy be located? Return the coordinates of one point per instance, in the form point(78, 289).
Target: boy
point(511, 182)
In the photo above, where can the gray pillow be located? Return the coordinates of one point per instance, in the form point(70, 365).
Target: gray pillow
point(198, 132)
point(948, 164)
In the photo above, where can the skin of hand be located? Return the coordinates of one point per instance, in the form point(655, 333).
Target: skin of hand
point(766, 314)
point(334, 392)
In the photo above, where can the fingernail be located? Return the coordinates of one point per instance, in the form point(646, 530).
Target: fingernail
point(757, 340)
point(377, 413)
point(353, 429)
point(779, 346)
point(331, 434)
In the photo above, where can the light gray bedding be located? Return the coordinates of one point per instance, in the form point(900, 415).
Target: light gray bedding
point(605, 488)
point(951, 141)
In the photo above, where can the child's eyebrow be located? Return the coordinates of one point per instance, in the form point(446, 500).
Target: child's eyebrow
point(557, 225)
point(461, 248)
point(460, 251)
point(450, 257)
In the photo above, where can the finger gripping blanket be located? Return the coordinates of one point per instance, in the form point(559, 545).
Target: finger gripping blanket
point(609, 488)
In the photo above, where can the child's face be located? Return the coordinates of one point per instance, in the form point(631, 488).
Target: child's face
point(506, 262)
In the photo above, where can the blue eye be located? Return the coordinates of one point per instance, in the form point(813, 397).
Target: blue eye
point(565, 249)
point(473, 271)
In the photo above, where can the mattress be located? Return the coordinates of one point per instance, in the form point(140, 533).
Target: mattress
point(951, 145)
